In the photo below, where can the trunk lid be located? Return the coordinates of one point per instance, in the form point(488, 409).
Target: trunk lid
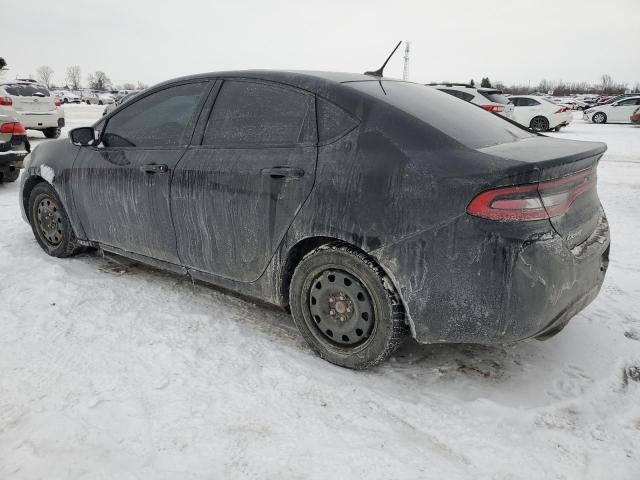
point(555, 159)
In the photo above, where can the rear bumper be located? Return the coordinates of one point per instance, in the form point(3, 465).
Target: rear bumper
point(480, 285)
point(11, 161)
point(40, 121)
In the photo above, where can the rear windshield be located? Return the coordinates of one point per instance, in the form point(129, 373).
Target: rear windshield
point(25, 90)
point(465, 122)
point(495, 96)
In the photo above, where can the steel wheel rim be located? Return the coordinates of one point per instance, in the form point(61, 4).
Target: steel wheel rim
point(341, 309)
point(598, 117)
point(49, 221)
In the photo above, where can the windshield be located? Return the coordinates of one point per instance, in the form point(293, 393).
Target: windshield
point(26, 90)
point(465, 122)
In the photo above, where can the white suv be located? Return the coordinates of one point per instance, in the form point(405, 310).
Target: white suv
point(34, 105)
point(490, 99)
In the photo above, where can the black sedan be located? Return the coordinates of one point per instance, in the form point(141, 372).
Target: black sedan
point(370, 207)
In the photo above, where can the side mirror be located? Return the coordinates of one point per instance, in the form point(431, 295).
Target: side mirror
point(83, 136)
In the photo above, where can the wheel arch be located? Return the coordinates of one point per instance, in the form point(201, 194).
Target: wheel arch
point(299, 250)
point(544, 117)
point(28, 187)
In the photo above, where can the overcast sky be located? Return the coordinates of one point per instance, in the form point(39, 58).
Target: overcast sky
point(151, 40)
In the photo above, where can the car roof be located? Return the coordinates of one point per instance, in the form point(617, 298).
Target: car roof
point(305, 79)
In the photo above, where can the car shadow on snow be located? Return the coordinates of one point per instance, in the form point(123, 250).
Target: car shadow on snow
point(445, 361)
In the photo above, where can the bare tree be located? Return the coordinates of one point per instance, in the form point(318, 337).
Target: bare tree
point(98, 80)
point(141, 86)
point(44, 74)
point(74, 74)
point(127, 86)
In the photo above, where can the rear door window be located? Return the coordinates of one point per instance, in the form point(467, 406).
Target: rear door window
point(250, 114)
point(21, 90)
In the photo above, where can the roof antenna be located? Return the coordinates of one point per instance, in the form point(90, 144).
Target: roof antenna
point(378, 73)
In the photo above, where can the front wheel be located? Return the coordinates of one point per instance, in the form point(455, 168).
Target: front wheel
point(50, 223)
point(51, 132)
point(599, 117)
point(539, 124)
point(345, 307)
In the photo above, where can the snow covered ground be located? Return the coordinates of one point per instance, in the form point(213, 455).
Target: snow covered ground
point(112, 370)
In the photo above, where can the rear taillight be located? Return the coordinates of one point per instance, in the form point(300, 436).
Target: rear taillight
point(6, 101)
point(494, 108)
point(14, 128)
point(532, 201)
point(561, 110)
point(57, 103)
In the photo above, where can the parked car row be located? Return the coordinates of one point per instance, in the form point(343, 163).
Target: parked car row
point(620, 110)
point(84, 96)
point(538, 113)
point(119, 101)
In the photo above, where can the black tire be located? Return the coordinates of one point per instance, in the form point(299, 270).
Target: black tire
point(8, 177)
point(65, 100)
point(99, 102)
point(50, 223)
point(539, 124)
point(51, 132)
point(557, 129)
point(359, 303)
point(599, 117)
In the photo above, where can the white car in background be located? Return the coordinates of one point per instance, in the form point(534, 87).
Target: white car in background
point(34, 105)
point(490, 99)
point(539, 114)
point(66, 97)
point(95, 98)
point(619, 111)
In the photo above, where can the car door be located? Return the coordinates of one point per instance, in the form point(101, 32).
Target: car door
point(237, 190)
point(622, 110)
point(121, 188)
point(517, 111)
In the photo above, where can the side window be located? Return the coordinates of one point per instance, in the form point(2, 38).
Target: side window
point(333, 122)
point(517, 102)
point(531, 102)
point(257, 114)
point(161, 119)
point(628, 102)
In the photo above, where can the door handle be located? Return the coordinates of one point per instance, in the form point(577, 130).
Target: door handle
point(154, 168)
point(282, 172)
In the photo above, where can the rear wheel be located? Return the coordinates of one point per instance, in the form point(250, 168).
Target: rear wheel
point(345, 308)
point(51, 132)
point(599, 117)
point(539, 124)
point(50, 223)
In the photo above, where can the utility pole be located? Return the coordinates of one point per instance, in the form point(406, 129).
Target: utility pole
point(405, 72)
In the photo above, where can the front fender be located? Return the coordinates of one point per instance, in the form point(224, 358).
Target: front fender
point(51, 162)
